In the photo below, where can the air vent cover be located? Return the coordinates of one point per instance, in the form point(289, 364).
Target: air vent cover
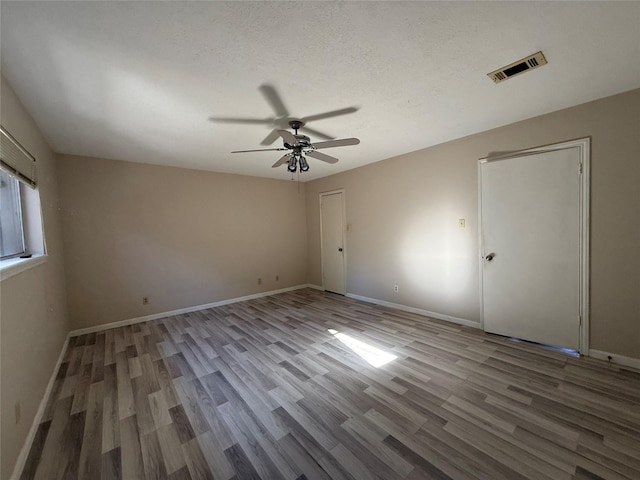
point(516, 68)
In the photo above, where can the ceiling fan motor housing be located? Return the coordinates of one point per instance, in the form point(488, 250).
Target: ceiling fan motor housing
point(303, 140)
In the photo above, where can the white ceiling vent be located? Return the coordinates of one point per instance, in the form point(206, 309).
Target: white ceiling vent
point(516, 68)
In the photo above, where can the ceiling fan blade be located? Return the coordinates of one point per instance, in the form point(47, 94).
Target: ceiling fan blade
point(322, 156)
point(284, 159)
point(288, 137)
point(261, 150)
point(272, 97)
point(272, 137)
point(316, 133)
point(342, 142)
point(334, 113)
point(259, 121)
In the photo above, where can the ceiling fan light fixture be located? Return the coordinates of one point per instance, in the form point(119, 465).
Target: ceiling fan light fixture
point(292, 164)
point(304, 166)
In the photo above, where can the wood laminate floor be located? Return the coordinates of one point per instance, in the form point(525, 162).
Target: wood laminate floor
point(264, 389)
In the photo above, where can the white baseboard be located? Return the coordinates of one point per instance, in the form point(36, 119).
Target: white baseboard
point(419, 311)
point(615, 358)
point(26, 447)
point(155, 316)
point(315, 287)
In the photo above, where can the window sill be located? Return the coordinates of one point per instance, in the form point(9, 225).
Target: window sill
point(14, 266)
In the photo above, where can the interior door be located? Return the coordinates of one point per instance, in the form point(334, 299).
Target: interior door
point(530, 234)
point(332, 228)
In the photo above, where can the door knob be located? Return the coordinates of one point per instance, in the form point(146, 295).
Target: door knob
point(489, 257)
point(340, 249)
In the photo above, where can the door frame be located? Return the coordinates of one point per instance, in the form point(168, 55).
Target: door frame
point(344, 236)
point(584, 146)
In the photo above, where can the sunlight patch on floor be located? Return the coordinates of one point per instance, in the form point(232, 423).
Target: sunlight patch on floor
point(372, 355)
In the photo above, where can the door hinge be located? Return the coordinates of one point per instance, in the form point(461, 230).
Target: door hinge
point(580, 320)
point(580, 168)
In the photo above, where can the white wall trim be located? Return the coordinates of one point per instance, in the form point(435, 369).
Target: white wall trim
point(615, 358)
point(26, 447)
point(315, 287)
point(155, 316)
point(419, 311)
point(14, 266)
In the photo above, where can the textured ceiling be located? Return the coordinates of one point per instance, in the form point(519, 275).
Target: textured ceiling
point(138, 81)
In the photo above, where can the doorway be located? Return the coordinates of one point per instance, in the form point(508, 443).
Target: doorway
point(332, 244)
point(534, 244)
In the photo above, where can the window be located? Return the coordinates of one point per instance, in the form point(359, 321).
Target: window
point(11, 232)
point(21, 233)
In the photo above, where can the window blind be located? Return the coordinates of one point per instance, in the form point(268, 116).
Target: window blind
point(15, 159)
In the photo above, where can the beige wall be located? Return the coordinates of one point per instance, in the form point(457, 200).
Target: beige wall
point(404, 219)
point(33, 314)
point(181, 237)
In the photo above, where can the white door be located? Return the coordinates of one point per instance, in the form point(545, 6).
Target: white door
point(531, 246)
point(332, 232)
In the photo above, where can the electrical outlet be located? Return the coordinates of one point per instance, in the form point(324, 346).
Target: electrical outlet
point(18, 412)
point(277, 278)
point(395, 288)
point(145, 300)
point(259, 281)
point(461, 223)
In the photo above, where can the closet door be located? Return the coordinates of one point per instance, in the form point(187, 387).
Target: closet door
point(531, 246)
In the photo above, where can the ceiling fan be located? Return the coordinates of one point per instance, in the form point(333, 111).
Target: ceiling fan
point(301, 144)
point(282, 117)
